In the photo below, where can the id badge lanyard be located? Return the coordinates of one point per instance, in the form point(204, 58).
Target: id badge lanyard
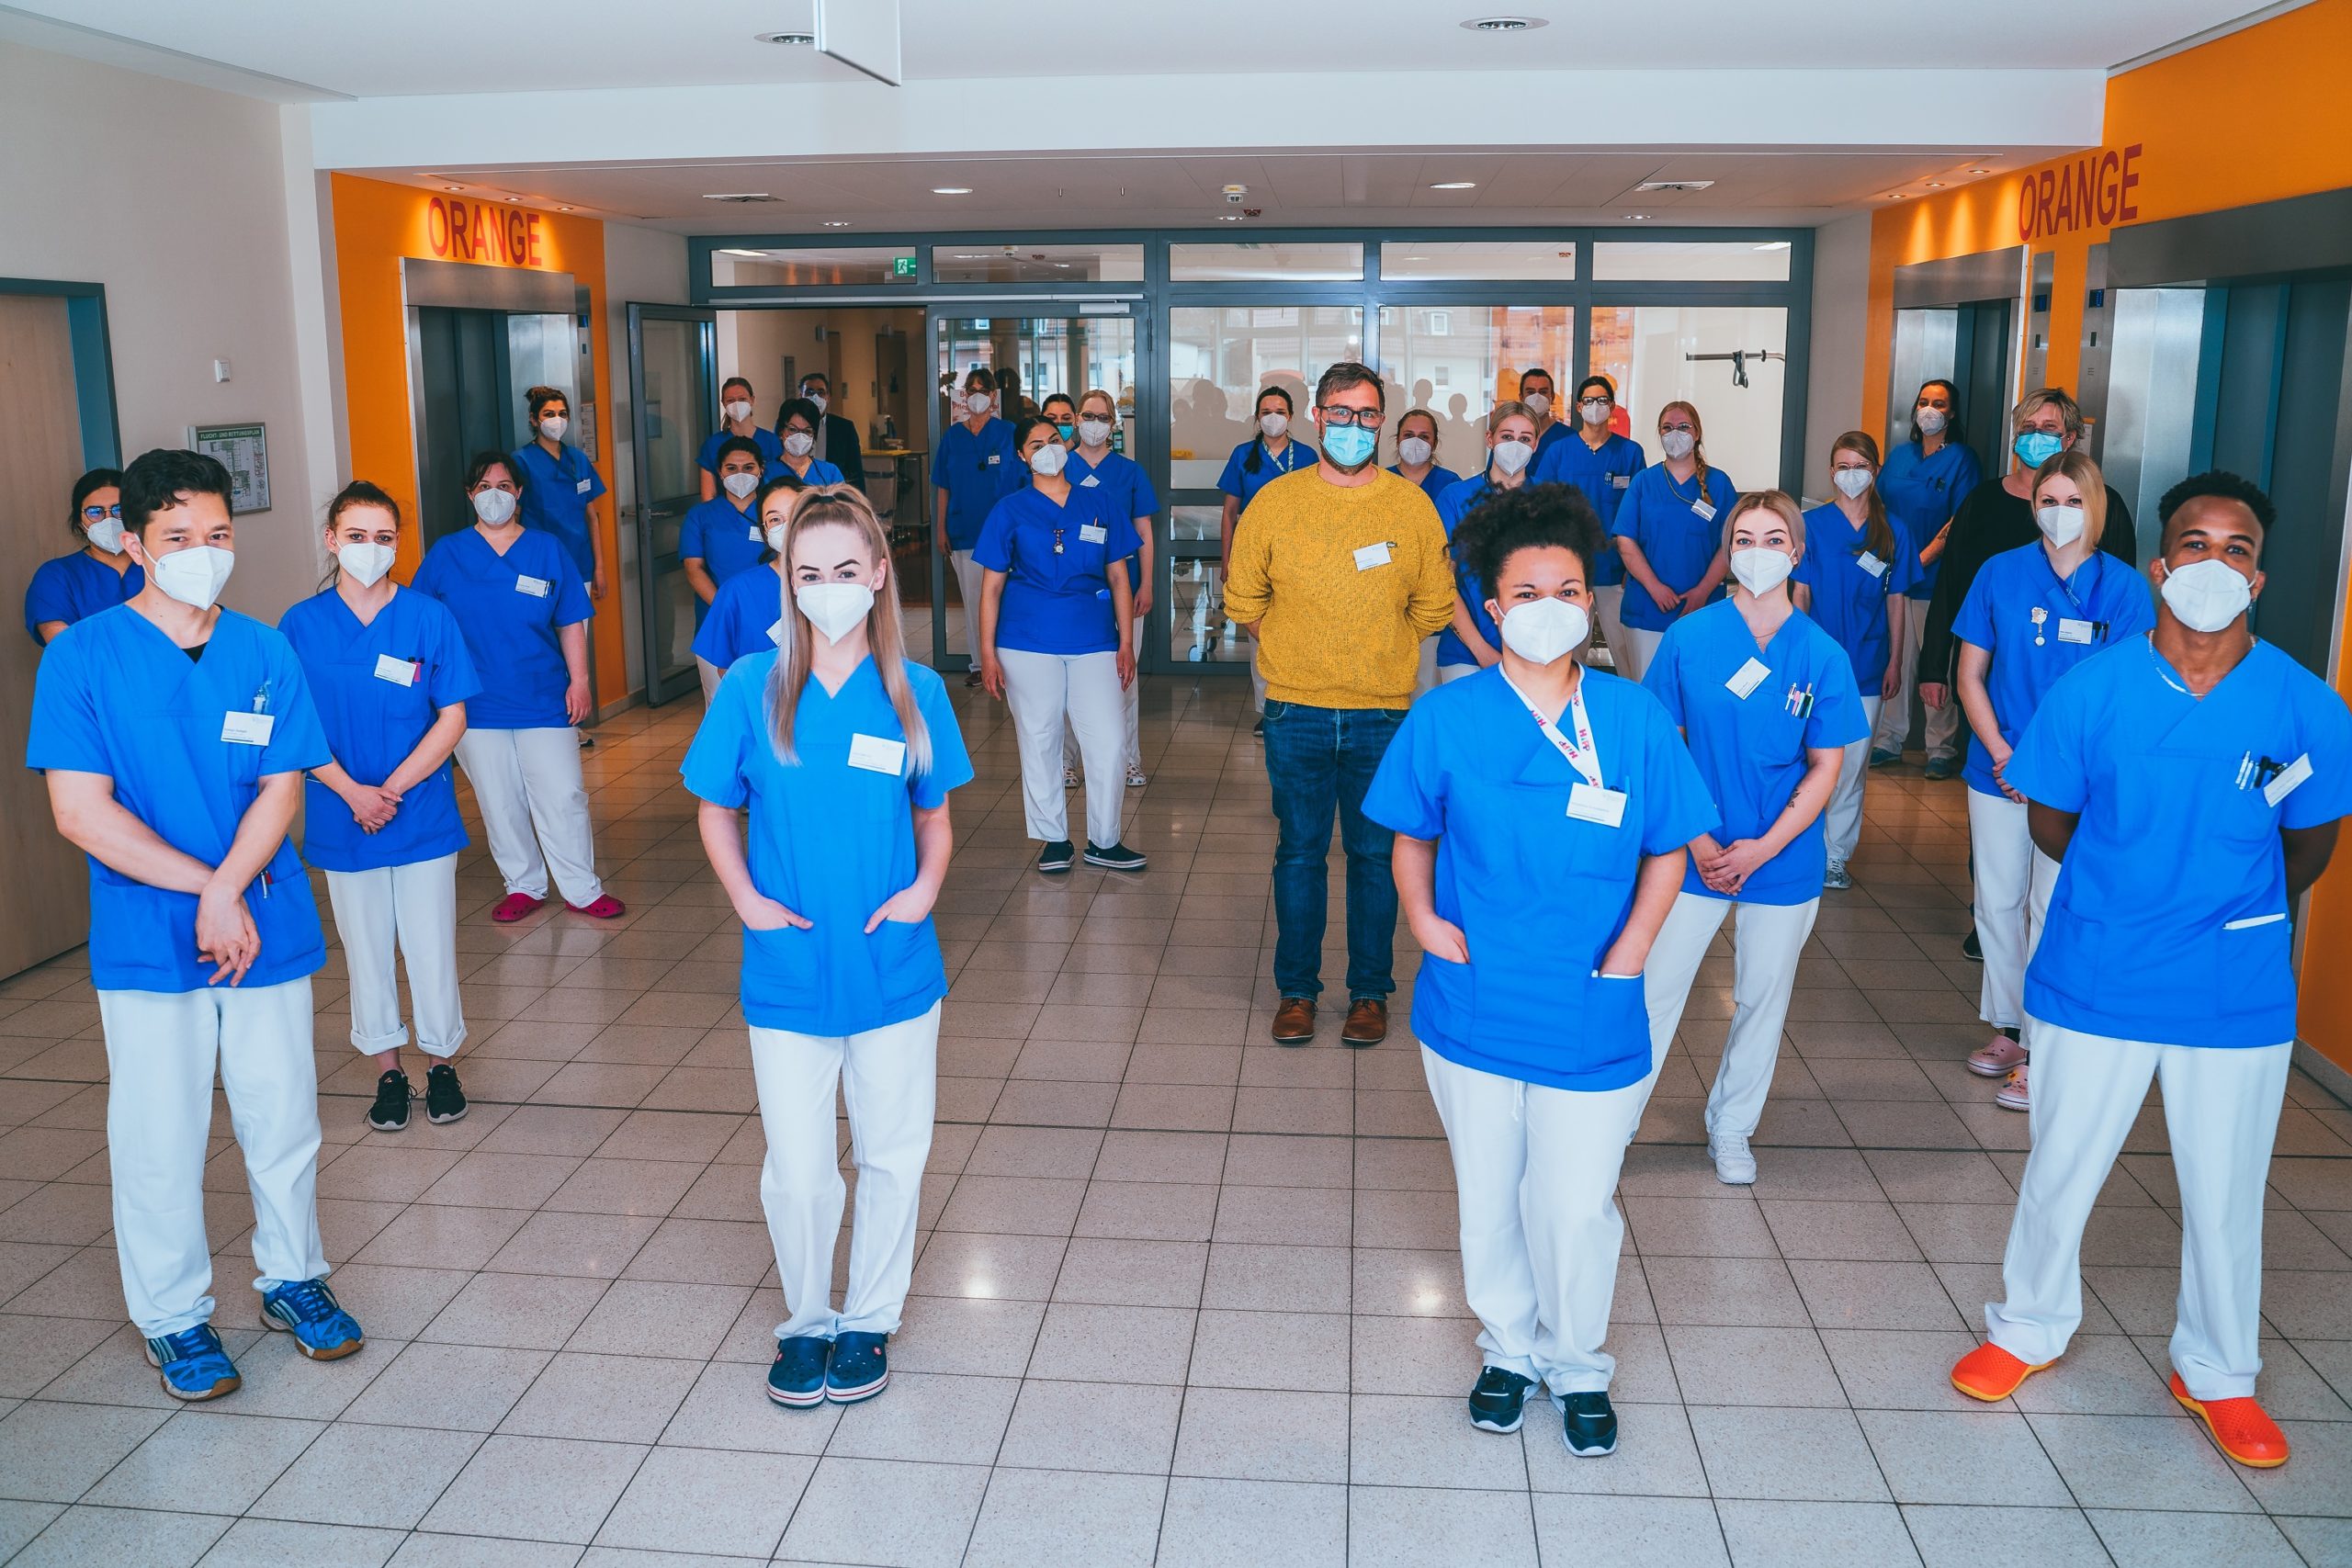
point(1582, 753)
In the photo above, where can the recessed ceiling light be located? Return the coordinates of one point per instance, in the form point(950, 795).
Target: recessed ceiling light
point(1980, 171)
point(1228, 217)
point(513, 198)
point(563, 209)
point(951, 190)
point(1637, 217)
point(802, 39)
point(453, 187)
point(1935, 185)
point(1504, 24)
point(1456, 185)
point(836, 222)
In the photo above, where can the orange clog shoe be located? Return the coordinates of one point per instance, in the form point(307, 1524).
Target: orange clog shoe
point(1990, 1373)
point(2239, 1425)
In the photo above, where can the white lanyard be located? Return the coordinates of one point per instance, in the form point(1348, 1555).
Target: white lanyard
point(1582, 753)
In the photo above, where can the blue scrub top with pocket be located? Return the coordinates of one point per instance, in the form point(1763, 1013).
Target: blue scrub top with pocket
point(1242, 481)
point(1604, 474)
point(1749, 730)
point(831, 837)
point(746, 617)
point(379, 688)
point(1452, 508)
point(1921, 495)
point(1057, 559)
point(1660, 514)
point(770, 444)
point(2170, 922)
point(727, 538)
point(510, 610)
point(1539, 894)
point(2036, 628)
point(1850, 587)
point(556, 493)
point(73, 588)
point(1130, 494)
point(187, 742)
point(976, 470)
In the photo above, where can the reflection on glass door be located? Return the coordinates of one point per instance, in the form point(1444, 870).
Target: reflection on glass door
point(674, 369)
point(1728, 362)
point(1458, 361)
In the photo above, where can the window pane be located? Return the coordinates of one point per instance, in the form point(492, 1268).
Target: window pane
point(1295, 261)
point(1457, 360)
point(1198, 632)
point(1195, 522)
point(1033, 355)
point(1219, 358)
point(1658, 353)
point(748, 268)
point(1510, 260)
point(1037, 264)
point(1762, 261)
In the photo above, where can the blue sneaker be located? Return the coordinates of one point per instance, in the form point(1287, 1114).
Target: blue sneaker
point(193, 1364)
point(1941, 768)
point(307, 1310)
point(1883, 758)
point(860, 1368)
point(798, 1376)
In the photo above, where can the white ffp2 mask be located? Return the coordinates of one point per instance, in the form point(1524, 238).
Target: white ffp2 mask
point(194, 576)
point(1542, 631)
point(2206, 595)
point(1852, 483)
point(739, 484)
point(1761, 571)
point(739, 411)
point(799, 444)
point(834, 608)
point(366, 563)
point(2062, 525)
point(1413, 451)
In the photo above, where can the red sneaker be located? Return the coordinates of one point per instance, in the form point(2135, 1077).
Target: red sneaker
point(2239, 1426)
point(1990, 1373)
point(514, 907)
point(606, 907)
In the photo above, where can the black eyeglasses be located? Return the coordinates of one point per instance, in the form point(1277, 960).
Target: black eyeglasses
point(100, 514)
point(1362, 419)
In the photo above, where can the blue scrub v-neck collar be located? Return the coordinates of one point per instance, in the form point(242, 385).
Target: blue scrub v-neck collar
point(817, 685)
point(352, 615)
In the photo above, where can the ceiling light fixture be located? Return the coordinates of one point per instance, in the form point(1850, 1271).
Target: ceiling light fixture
point(737, 196)
point(951, 190)
point(1504, 24)
point(563, 209)
point(1456, 185)
point(1980, 171)
point(513, 198)
point(1934, 185)
point(836, 222)
point(800, 39)
point(1228, 217)
point(1637, 217)
point(453, 187)
point(1648, 186)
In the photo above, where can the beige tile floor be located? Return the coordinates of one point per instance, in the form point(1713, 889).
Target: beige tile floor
point(1182, 1296)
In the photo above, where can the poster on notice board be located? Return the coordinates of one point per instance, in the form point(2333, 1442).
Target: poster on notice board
point(243, 450)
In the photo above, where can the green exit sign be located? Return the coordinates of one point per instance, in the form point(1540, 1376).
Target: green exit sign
point(902, 266)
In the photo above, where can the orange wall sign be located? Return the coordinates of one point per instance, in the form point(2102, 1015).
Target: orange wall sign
point(2098, 189)
point(480, 231)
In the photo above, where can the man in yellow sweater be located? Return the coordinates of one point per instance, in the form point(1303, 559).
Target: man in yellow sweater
point(1339, 572)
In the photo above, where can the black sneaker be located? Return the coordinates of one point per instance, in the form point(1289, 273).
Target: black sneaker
point(1258, 728)
point(1971, 949)
point(1118, 857)
point(1056, 857)
point(390, 1114)
point(1499, 1402)
point(1588, 1425)
point(443, 1100)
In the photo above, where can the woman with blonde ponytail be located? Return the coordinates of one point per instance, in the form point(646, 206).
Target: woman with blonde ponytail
point(844, 752)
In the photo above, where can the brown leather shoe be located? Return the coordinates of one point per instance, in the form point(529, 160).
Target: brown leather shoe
point(1367, 1023)
point(1295, 1021)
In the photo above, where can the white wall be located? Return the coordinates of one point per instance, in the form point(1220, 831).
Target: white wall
point(647, 267)
point(1841, 265)
point(174, 197)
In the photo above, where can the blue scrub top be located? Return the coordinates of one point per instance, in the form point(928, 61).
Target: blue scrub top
point(1131, 494)
point(770, 444)
point(1538, 893)
point(1243, 482)
point(830, 842)
point(746, 617)
point(374, 715)
point(1658, 514)
point(73, 588)
point(1751, 751)
point(1850, 602)
point(2170, 921)
point(1436, 483)
point(1605, 475)
point(1055, 602)
point(556, 493)
point(115, 696)
point(511, 609)
point(1997, 616)
point(1452, 508)
point(975, 471)
point(1921, 495)
point(1559, 430)
point(725, 537)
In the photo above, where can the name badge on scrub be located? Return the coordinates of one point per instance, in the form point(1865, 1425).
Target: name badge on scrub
point(1094, 533)
point(247, 728)
point(582, 488)
point(1872, 564)
point(1619, 481)
point(536, 587)
point(876, 755)
point(2287, 778)
point(1705, 509)
point(776, 632)
point(1371, 556)
point(1747, 678)
point(2071, 630)
point(753, 534)
point(1089, 482)
point(399, 671)
point(1591, 802)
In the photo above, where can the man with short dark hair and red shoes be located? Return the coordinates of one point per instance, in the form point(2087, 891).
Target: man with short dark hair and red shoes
point(2189, 782)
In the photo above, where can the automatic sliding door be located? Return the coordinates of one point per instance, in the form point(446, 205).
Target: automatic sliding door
point(673, 369)
point(1728, 362)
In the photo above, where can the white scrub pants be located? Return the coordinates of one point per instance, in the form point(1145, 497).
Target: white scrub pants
point(1535, 1175)
point(1449, 672)
point(2222, 1115)
point(1608, 612)
point(1256, 681)
point(1044, 690)
point(527, 784)
point(1894, 718)
point(968, 576)
point(1133, 713)
point(889, 1079)
point(1641, 646)
point(710, 675)
point(1842, 821)
point(161, 1047)
point(1766, 944)
point(2013, 884)
point(415, 909)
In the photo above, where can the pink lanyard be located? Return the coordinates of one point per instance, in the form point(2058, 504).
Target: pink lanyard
point(1582, 753)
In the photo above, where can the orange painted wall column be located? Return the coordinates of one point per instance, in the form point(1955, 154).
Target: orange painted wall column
point(376, 226)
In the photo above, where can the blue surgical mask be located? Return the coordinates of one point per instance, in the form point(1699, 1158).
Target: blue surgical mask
point(1349, 445)
point(1066, 431)
point(2035, 447)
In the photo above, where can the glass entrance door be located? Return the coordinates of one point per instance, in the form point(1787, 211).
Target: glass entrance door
point(673, 367)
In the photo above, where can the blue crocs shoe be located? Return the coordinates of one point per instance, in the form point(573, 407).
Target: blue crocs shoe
point(797, 1377)
point(193, 1364)
point(307, 1310)
point(860, 1368)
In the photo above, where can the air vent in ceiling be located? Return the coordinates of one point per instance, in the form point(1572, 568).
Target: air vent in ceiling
point(1673, 185)
point(740, 197)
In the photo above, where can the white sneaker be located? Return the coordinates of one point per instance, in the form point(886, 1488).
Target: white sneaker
point(1735, 1167)
point(1135, 779)
point(1837, 876)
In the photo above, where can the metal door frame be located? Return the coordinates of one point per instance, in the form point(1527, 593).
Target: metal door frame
point(642, 501)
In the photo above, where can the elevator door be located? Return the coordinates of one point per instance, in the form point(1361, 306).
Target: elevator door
point(1968, 345)
point(463, 354)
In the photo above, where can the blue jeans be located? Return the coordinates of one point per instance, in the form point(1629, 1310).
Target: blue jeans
point(1318, 760)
